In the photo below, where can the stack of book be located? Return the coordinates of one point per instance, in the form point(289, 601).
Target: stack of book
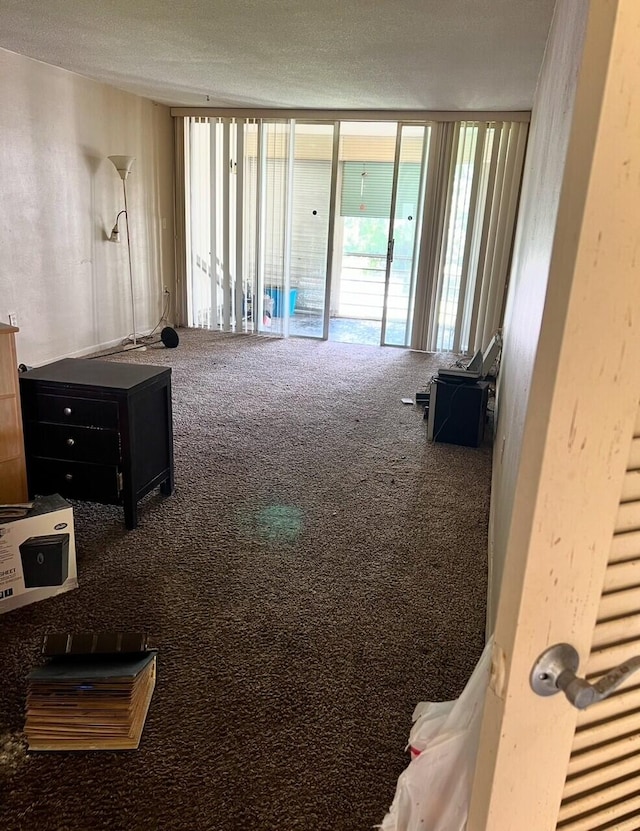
point(90, 702)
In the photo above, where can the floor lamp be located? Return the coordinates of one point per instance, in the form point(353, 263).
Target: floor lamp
point(123, 165)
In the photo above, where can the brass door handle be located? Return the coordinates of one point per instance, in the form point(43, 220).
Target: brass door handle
point(555, 671)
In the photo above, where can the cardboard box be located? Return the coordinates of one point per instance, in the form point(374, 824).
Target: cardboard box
point(37, 554)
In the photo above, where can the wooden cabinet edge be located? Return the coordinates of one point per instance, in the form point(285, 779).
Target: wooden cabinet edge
point(15, 490)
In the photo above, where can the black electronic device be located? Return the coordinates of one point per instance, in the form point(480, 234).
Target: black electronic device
point(457, 412)
point(169, 337)
point(45, 560)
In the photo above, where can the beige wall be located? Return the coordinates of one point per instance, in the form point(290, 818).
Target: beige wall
point(66, 282)
point(546, 153)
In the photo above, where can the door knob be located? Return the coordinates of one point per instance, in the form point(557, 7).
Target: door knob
point(556, 669)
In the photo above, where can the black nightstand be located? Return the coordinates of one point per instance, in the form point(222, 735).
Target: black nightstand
point(98, 431)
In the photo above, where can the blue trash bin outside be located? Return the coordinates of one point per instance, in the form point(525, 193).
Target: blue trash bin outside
point(276, 295)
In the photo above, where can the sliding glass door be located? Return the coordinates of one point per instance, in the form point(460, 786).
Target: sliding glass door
point(313, 148)
point(365, 185)
point(273, 210)
point(377, 232)
point(381, 173)
point(404, 243)
point(221, 224)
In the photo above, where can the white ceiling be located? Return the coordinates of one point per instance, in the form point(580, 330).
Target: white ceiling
point(359, 54)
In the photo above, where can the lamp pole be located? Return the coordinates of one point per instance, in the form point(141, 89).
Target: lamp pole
point(133, 304)
point(123, 165)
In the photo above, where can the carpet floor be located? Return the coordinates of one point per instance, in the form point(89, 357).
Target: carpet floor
point(319, 570)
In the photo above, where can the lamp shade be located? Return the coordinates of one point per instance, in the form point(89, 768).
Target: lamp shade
point(122, 164)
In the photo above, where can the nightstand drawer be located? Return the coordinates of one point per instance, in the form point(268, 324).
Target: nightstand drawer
point(86, 412)
point(83, 444)
point(95, 483)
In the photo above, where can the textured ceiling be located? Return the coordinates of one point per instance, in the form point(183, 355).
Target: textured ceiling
point(373, 54)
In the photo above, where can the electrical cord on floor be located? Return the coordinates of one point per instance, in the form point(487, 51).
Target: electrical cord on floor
point(165, 312)
point(163, 318)
point(143, 338)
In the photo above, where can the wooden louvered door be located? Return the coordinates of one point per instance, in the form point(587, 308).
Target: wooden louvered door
point(603, 781)
point(571, 532)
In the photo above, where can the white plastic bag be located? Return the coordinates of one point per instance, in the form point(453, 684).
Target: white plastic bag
point(433, 793)
point(428, 719)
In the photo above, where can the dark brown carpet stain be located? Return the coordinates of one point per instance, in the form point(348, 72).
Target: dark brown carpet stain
point(319, 570)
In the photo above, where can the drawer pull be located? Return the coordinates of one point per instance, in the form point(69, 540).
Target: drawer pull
point(67, 411)
point(70, 442)
point(68, 476)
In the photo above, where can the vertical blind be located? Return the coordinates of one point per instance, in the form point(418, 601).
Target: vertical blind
point(480, 170)
point(250, 187)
